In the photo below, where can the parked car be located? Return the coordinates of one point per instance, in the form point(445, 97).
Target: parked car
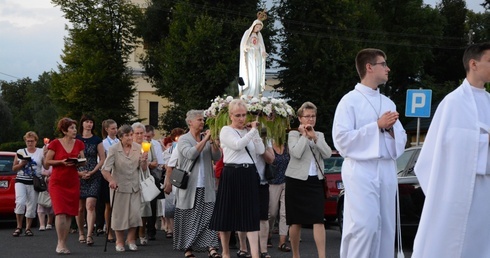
point(411, 195)
point(7, 184)
point(333, 185)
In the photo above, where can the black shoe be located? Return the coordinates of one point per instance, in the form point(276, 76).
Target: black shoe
point(151, 238)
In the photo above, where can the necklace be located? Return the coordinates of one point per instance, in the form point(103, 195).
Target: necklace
point(371, 104)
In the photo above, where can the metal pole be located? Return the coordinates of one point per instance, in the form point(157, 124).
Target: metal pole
point(418, 131)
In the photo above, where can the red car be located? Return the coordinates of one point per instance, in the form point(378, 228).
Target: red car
point(333, 185)
point(7, 184)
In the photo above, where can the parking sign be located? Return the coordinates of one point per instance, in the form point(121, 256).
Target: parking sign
point(418, 103)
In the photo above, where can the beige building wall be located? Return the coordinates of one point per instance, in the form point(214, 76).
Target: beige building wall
point(145, 93)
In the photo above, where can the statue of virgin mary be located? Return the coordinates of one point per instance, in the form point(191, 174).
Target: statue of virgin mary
point(252, 59)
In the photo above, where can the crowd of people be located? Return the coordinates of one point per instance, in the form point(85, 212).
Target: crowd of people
point(97, 180)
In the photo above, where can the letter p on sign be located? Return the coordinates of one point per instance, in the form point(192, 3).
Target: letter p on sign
point(418, 103)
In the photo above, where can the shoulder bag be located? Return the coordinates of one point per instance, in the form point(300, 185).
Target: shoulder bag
point(39, 183)
point(179, 177)
point(148, 188)
point(44, 199)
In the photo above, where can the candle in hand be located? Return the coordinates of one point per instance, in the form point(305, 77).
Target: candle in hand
point(46, 141)
point(145, 146)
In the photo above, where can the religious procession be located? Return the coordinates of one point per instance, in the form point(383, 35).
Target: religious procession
point(239, 171)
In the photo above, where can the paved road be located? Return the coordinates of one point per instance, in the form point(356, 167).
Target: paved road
point(43, 244)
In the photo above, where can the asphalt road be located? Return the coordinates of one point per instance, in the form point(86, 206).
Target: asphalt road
point(43, 244)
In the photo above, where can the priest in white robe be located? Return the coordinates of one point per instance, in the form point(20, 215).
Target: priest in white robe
point(367, 133)
point(454, 168)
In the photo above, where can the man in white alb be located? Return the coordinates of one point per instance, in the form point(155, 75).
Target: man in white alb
point(454, 168)
point(367, 133)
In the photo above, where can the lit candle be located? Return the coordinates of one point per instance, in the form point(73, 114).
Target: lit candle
point(46, 141)
point(145, 146)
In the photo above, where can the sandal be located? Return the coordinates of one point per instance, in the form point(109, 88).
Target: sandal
point(243, 254)
point(284, 248)
point(62, 251)
point(82, 239)
point(99, 232)
point(188, 253)
point(90, 241)
point(265, 255)
point(269, 242)
point(213, 253)
point(28, 232)
point(17, 232)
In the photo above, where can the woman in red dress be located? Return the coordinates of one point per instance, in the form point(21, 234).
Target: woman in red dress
point(64, 183)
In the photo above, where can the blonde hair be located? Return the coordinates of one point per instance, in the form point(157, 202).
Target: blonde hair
point(234, 104)
point(306, 105)
point(31, 134)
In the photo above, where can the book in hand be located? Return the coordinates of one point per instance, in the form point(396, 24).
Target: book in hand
point(22, 157)
point(76, 160)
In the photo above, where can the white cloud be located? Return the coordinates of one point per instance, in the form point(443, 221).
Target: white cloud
point(32, 38)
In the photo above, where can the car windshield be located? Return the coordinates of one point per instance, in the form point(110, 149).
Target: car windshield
point(333, 164)
point(402, 161)
point(6, 163)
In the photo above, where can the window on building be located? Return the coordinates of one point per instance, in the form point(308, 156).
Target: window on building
point(154, 114)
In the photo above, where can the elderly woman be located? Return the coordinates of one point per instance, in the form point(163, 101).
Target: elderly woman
point(64, 184)
point(139, 131)
point(237, 201)
point(25, 196)
point(195, 204)
point(90, 178)
point(305, 195)
point(124, 159)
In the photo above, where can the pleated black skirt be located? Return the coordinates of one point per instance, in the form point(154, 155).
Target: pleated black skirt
point(305, 200)
point(237, 201)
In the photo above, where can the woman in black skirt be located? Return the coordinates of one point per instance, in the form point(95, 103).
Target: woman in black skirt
point(237, 200)
point(305, 196)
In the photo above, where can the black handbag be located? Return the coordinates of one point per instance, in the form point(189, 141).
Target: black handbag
point(39, 184)
point(270, 171)
point(179, 177)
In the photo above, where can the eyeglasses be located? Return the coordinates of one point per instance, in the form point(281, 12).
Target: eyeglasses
point(309, 117)
point(239, 115)
point(30, 141)
point(384, 64)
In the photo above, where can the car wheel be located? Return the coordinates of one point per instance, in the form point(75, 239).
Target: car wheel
point(340, 214)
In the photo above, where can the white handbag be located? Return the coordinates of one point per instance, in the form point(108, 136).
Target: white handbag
point(44, 199)
point(149, 190)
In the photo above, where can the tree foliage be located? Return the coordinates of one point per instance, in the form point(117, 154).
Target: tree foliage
point(26, 106)
point(196, 58)
point(95, 78)
point(318, 49)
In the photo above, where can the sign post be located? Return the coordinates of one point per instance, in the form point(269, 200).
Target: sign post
point(418, 105)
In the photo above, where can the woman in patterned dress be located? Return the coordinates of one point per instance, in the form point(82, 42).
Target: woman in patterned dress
point(194, 205)
point(90, 178)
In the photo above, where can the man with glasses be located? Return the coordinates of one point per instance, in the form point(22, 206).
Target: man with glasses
point(367, 133)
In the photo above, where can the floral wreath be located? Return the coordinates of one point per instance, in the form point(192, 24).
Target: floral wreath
point(274, 114)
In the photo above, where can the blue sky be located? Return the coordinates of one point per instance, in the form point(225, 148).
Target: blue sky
point(32, 32)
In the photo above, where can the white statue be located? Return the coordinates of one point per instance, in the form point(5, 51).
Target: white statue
point(252, 59)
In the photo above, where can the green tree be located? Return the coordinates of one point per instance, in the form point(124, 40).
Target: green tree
point(95, 77)
point(319, 45)
point(5, 121)
point(41, 106)
point(446, 67)
point(411, 30)
point(196, 57)
point(14, 94)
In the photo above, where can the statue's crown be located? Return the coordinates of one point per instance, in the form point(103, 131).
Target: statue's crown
point(262, 15)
